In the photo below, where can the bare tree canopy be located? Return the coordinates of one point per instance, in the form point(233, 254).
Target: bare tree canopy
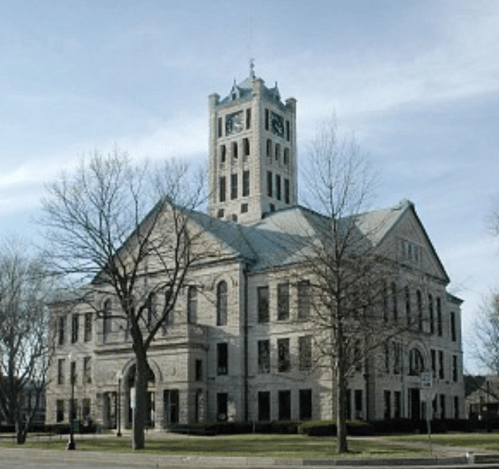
point(486, 342)
point(124, 229)
point(348, 273)
point(25, 290)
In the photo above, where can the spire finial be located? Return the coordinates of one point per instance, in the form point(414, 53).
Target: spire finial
point(252, 68)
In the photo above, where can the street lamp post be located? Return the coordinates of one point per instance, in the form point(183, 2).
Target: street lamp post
point(71, 443)
point(118, 410)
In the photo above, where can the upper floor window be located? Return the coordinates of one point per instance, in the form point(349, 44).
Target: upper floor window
point(220, 127)
point(248, 118)
point(263, 304)
point(283, 301)
point(106, 317)
point(222, 189)
point(303, 299)
point(234, 150)
point(75, 322)
point(284, 362)
point(431, 313)
point(267, 119)
point(453, 330)
point(223, 153)
point(222, 303)
point(233, 186)
point(61, 327)
point(439, 317)
point(285, 158)
point(278, 187)
point(269, 147)
point(269, 183)
point(394, 301)
point(419, 300)
point(246, 147)
point(416, 362)
point(408, 306)
point(287, 193)
point(222, 359)
point(60, 370)
point(246, 183)
point(263, 356)
point(288, 132)
point(305, 352)
point(192, 304)
point(88, 327)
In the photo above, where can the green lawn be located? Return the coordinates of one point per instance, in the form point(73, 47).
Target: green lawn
point(486, 441)
point(274, 446)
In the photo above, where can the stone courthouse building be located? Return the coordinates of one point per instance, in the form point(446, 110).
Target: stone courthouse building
point(238, 346)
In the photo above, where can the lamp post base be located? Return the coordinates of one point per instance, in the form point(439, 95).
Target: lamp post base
point(70, 445)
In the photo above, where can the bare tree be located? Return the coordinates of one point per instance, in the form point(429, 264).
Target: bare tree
point(25, 349)
point(124, 229)
point(486, 341)
point(348, 273)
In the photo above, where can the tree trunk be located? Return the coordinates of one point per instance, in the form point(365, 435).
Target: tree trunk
point(20, 429)
point(139, 416)
point(341, 427)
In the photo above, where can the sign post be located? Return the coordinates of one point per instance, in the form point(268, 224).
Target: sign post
point(426, 385)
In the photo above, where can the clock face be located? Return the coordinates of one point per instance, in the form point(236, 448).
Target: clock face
point(277, 125)
point(234, 123)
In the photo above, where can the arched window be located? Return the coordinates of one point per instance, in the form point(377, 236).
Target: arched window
point(222, 303)
point(416, 362)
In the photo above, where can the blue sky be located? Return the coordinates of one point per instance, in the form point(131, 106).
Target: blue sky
point(418, 83)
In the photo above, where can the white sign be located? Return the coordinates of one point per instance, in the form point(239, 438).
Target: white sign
point(426, 380)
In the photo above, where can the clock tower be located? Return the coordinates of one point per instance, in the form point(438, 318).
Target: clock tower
point(253, 168)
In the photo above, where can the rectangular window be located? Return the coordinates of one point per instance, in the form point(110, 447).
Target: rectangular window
point(454, 368)
point(263, 356)
point(222, 189)
point(87, 370)
point(199, 370)
point(61, 327)
point(453, 332)
point(246, 183)
point(433, 355)
point(303, 299)
point(284, 363)
point(222, 359)
point(233, 186)
point(305, 352)
point(456, 407)
point(286, 191)
point(244, 208)
point(439, 317)
point(223, 153)
point(397, 405)
point(263, 406)
point(75, 322)
point(59, 410)
point(288, 134)
point(86, 409)
point(269, 183)
point(278, 187)
point(348, 406)
point(60, 371)
point(248, 118)
point(283, 301)
point(222, 399)
point(387, 404)
point(284, 405)
point(220, 127)
point(442, 407)
point(394, 301)
point(171, 406)
point(88, 327)
point(266, 119)
point(192, 305)
point(73, 406)
point(441, 373)
point(263, 304)
point(432, 314)
point(358, 404)
point(72, 372)
point(305, 404)
point(397, 358)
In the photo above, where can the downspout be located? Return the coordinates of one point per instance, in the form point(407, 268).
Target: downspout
point(245, 344)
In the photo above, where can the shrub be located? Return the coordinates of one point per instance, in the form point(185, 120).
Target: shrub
point(328, 428)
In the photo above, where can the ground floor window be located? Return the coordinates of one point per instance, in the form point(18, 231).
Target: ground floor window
point(284, 405)
point(358, 404)
point(397, 405)
point(348, 406)
point(170, 406)
point(59, 410)
point(263, 406)
point(456, 407)
point(305, 404)
point(222, 399)
point(387, 398)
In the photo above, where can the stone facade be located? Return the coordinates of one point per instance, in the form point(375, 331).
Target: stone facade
point(233, 349)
